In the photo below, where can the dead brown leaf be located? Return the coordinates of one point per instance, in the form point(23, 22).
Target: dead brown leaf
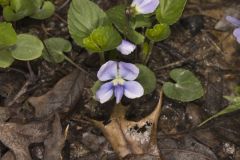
point(8, 156)
point(128, 137)
point(18, 137)
point(185, 148)
point(63, 97)
point(55, 141)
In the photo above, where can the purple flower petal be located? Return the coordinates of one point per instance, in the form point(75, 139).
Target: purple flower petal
point(233, 20)
point(105, 92)
point(107, 71)
point(236, 34)
point(145, 6)
point(133, 89)
point(136, 3)
point(118, 92)
point(238, 40)
point(128, 71)
point(126, 47)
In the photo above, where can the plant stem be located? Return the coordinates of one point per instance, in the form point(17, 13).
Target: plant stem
point(151, 43)
point(73, 63)
point(102, 58)
point(78, 67)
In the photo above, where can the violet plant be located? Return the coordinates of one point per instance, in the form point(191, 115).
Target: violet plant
point(121, 76)
point(28, 47)
point(144, 6)
point(14, 10)
point(126, 47)
point(236, 22)
point(130, 29)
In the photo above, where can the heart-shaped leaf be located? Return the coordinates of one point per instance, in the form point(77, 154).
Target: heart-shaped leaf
point(118, 17)
point(83, 17)
point(6, 58)
point(169, 11)
point(55, 48)
point(18, 9)
point(28, 47)
point(102, 39)
point(146, 78)
point(7, 34)
point(44, 10)
point(187, 87)
point(158, 33)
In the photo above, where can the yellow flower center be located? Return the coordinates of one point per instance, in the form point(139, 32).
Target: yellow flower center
point(118, 81)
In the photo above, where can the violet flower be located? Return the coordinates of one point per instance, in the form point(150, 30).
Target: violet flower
point(236, 23)
point(145, 6)
point(126, 47)
point(120, 77)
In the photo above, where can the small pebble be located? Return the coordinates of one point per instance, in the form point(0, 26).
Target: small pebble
point(229, 148)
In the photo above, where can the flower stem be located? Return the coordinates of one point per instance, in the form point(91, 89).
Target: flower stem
point(102, 58)
point(146, 59)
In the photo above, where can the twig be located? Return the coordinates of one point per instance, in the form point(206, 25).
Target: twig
point(31, 78)
point(63, 5)
point(174, 64)
point(22, 91)
point(45, 30)
point(60, 18)
point(181, 62)
point(31, 73)
point(17, 70)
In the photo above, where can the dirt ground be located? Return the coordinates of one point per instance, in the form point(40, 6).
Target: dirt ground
point(45, 109)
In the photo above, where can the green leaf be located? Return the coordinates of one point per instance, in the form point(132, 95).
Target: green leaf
point(187, 87)
point(144, 51)
point(55, 48)
point(229, 109)
point(146, 78)
point(96, 86)
point(232, 99)
point(6, 58)
point(158, 33)
point(170, 11)
point(44, 11)
point(141, 21)
point(18, 9)
point(28, 47)
point(84, 16)
point(135, 37)
point(102, 39)
point(8, 36)
point(4, 2)
point(237, 91)
point(119, 19)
